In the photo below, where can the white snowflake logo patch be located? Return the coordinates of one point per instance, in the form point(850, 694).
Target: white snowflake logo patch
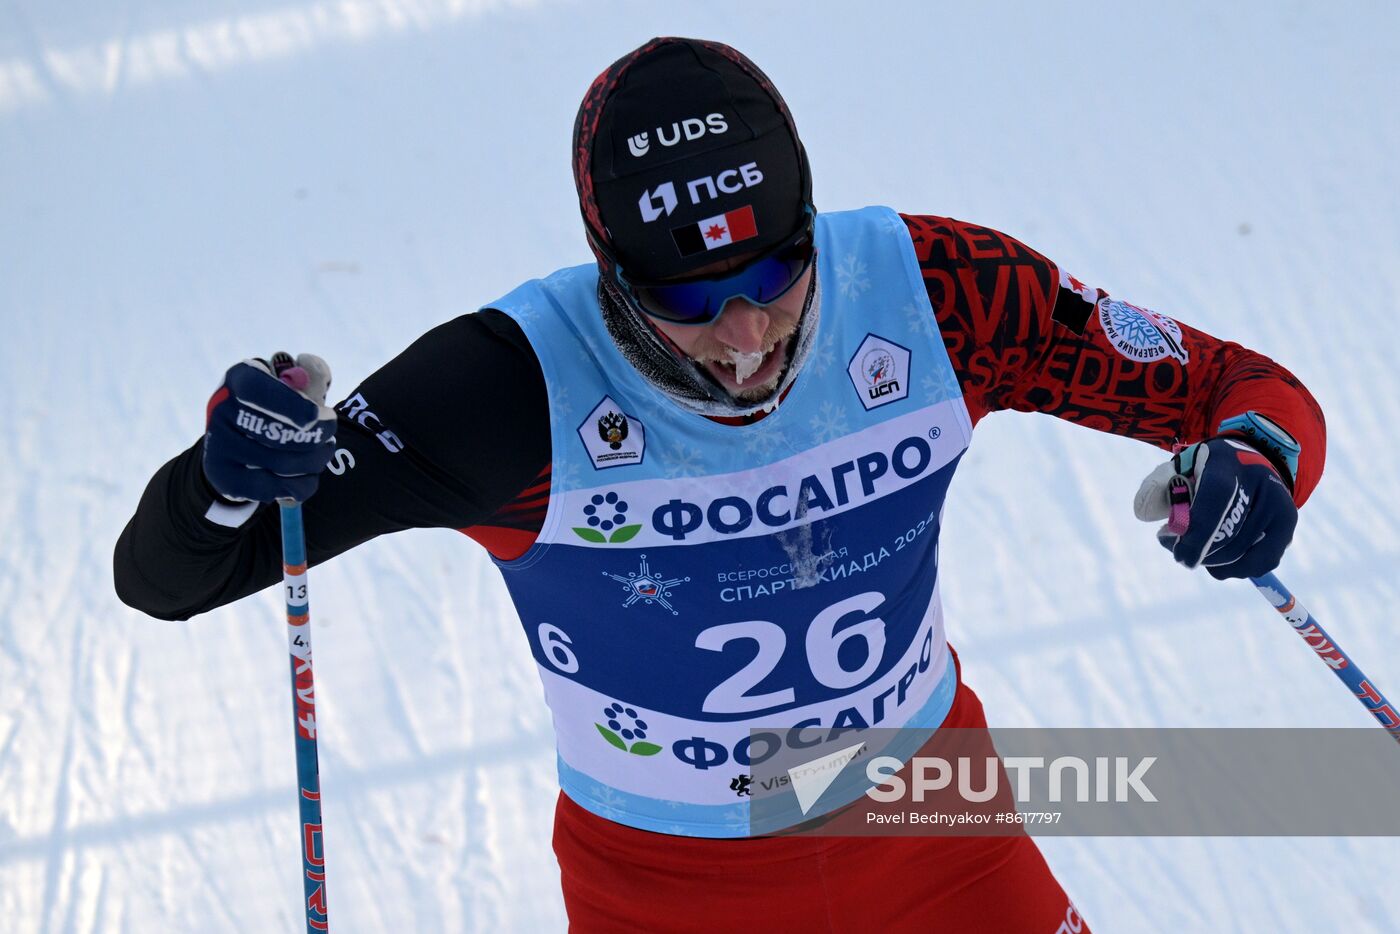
point(1141, 334)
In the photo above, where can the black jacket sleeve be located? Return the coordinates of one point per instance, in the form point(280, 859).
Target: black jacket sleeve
point(440, 437)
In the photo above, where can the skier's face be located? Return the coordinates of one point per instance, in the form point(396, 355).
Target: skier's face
point(743, 328)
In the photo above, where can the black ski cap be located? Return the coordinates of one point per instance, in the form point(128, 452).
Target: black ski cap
point(677, 132)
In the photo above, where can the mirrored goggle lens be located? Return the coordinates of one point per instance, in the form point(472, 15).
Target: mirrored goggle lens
point(763, 282)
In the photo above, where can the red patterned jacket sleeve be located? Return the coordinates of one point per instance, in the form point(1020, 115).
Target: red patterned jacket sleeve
point(1022, 336)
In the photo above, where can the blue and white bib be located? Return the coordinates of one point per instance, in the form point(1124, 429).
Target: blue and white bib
point(694, 580)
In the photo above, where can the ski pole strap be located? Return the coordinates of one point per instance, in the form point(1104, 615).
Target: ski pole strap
point(1331, 654)
point(1179, 489)
point(1179, 496)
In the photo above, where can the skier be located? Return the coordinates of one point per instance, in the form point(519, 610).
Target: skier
point(695, 462)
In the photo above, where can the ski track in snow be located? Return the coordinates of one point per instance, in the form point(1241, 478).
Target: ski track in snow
point(339, 178)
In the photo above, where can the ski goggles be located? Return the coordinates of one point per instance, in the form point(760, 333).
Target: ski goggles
point(761, 281)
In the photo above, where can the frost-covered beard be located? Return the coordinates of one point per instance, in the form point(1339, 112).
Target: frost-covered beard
point(686, 381)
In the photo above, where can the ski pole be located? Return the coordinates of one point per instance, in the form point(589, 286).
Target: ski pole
point(313, 860)
point(1331, 654)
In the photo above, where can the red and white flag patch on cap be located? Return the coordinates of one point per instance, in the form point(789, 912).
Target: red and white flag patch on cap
point(715, 232)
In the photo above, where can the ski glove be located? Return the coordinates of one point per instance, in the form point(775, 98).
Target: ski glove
point(1226, 506)
point(268, 430)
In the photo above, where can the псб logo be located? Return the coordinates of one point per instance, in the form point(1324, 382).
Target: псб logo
point(702, 189)
point(688, 129)
point(665, 193)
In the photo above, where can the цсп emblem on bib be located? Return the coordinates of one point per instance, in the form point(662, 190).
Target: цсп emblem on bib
point(879, 371)
point(1141, 334)
point(647, 587)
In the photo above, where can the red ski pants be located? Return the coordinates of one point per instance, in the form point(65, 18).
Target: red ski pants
point(620, 879)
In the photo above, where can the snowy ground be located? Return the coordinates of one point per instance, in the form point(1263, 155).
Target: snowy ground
point(184, 184)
